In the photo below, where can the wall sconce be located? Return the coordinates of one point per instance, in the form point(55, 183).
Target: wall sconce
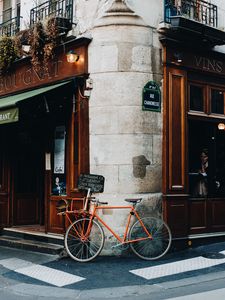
point(221, 126)
point(72, 56)
point(178, 56)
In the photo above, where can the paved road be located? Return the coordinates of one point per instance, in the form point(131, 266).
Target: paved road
point(30, 275)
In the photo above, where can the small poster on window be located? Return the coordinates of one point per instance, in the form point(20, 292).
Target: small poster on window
point(59, 150)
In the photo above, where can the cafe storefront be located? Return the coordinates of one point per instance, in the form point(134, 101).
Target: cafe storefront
point(194, 142)
point(44, 138)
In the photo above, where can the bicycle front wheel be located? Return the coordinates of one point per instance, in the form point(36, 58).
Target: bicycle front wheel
point(150, 248)
point(83, 242)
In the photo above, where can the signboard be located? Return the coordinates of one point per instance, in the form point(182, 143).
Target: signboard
point(9, 115)
point(151, 97)
point(92, 181)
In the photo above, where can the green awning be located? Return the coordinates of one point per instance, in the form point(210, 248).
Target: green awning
point(9, 115)
point(8, 110)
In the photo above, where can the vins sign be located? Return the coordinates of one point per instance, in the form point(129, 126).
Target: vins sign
point(151, 97)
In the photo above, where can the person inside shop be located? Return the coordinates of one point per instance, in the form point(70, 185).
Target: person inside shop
point(201, 188)
point(59, 187)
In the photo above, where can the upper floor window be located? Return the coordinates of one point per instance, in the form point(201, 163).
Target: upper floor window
point(7, 10)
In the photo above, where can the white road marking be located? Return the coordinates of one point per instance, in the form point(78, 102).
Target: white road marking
point(215, 294)
point(43, 273)
point(14, 263)
point(177, 267)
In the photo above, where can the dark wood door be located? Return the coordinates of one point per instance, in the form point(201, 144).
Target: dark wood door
point(4, 187)
point(28, 180)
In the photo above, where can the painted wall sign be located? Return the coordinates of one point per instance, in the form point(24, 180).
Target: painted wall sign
point(25, 77)
point(212, 62)
point(151, 97)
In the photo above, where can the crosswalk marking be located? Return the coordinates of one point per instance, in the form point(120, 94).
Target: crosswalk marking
point(43, 273)
point(215, 294)
point(177, 267)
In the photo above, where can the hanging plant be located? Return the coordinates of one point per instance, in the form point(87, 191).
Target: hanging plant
point(37, 41)
point(52, 40)
point(8, 53)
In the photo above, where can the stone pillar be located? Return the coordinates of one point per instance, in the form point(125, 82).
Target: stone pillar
point(125, 141)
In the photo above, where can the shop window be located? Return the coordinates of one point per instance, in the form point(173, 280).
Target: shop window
point(196, 97)
point(59, 174)
point(217, 101)
point(1, 172)
point(206, 160)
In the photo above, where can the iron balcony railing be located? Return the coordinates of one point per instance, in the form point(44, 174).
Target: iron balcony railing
point(10, 27)
point(48, 9)
point(198, 10)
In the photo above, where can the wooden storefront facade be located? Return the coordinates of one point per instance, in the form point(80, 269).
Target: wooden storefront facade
point(194, 106)
point(49, 144)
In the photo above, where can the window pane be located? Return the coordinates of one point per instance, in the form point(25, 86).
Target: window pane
point(7, 4)
point(1, 172)
point(217, 101)
point(59, 176)
point(196, 98)
point(7, 10)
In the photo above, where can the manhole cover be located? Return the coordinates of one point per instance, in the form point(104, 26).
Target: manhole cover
point(214, 255)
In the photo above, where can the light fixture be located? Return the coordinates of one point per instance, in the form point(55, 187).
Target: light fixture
point(72, 56)
point(178, 56)
point(221, 126)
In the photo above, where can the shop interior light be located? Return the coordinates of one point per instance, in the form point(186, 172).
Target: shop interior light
point(72, 56)
point(221, 126)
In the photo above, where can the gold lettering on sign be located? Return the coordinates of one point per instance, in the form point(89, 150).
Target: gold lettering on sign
point(206, 64)
point(29, 76)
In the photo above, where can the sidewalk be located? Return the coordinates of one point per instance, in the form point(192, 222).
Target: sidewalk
point(31, 275)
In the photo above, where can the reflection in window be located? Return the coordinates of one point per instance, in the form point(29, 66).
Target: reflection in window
point(217, 101)
point(196, 98)
point(206, 160)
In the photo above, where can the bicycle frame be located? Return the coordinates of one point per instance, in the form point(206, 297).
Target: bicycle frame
point(131, 212)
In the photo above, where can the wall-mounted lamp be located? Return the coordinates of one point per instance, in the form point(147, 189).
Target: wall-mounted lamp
point(178, 56)
point(72, 56)
point(221, 126)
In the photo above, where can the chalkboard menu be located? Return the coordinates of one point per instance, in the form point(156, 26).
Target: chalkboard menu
point(151, 97)
point(92, 181)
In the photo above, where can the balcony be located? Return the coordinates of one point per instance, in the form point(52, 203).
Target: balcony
point(192, 20)
point(196, 10)
point(61, 10)
point(10, 27)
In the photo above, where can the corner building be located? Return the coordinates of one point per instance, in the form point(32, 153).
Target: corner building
point(95, 115)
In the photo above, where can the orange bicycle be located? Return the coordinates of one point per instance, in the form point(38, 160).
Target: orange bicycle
point(149, 237)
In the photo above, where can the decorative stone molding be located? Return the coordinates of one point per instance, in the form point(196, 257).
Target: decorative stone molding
point(119, 14)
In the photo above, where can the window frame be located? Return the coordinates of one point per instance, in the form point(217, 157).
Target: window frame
point(207, 101)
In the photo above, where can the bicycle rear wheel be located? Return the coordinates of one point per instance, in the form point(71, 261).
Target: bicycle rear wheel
point(83, 244)
point(150, 249)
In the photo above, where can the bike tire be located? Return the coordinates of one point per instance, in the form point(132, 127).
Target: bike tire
point(150, 249)
point(82, 246)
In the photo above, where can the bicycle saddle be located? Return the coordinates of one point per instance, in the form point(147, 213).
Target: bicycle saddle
point(133, 200)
